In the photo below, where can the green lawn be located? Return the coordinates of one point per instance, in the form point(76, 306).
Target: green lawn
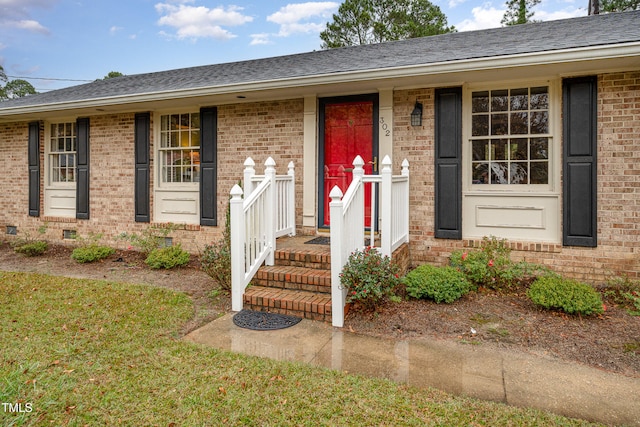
point(82, 352)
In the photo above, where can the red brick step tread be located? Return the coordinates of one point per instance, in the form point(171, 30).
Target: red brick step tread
point(298, 278)
point(308, 305)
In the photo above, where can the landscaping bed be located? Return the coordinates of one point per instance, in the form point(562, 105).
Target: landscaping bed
point(610, 341)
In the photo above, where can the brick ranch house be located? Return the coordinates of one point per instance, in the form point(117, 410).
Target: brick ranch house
point(529, 133)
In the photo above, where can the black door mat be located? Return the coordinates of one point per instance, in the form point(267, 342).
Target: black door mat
point(321, 240)
point(263, 321)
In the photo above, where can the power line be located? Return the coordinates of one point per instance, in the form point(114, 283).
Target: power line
point(49, 78)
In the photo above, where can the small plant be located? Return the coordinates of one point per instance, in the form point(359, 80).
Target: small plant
point(215, 259)
point(624, 292)
point(570, 296)
point(491, 266)
point(168, 257)
point(369, 277)
point(90, 249)
point(441, 284)
point(29, 246)
point(151, 238)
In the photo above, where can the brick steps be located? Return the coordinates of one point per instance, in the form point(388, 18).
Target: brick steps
point(299, 284)
point(294, 278)
point(308, 305)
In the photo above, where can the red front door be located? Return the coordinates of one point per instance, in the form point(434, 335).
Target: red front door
point(348, 132)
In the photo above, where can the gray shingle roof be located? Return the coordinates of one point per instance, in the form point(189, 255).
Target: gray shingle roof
point(588, 31)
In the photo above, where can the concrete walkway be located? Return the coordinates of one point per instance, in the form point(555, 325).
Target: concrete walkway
point(514, 378)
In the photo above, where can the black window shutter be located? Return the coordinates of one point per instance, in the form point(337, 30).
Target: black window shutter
point(579, 163)
point(142, 167)
point(82, 168)
point(34, 169)
point(208, 165)
point(448, 163)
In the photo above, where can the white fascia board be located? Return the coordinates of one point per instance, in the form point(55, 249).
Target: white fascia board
point(627, 50)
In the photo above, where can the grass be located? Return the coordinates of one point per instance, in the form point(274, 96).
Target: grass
point(84, 352)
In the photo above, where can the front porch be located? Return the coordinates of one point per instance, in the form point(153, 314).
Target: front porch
point(291, 275)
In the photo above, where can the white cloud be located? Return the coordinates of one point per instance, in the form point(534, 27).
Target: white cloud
point(541, 15)
point(114, 30)
point(260, 39)
point(16, 14)
point(199, 21)
point(310, 17)
point(485, 16)
point(454, 3)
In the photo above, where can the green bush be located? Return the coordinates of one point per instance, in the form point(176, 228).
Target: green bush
point(31, 248)
point(570, 296)
point(215, 259)
point(91, 253)
point(491, 267)
point(168, 257)
point(441, 284)
point(151, 238)
point(369, 278)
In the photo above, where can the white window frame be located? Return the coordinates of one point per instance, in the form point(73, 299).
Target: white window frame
point(59, 196)
point(525, 212)
point(177, 202)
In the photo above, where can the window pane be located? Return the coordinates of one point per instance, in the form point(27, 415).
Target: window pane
point(175, 122)
point(539, 172)
point(480, 125)
point(195, 121)
point(480, 173)
point(499, 124)
point(519, 149)
point(195, 138)
point(480, 102)
point(520, 99)
point(518, 173)
point(539, 122)
point(499, 100)
point(164, 139)
point(539, 98)
point(539, 148)
point(499, 149)
point(164, 123)
point(174, 139)
point(480, 150)
point(499, 173)
point(519, 123)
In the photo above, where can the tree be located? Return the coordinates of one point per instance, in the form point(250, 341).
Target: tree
point(619, 5)
point(519, 12)
point(113, 74)
point(14, 88)
point(361, 22)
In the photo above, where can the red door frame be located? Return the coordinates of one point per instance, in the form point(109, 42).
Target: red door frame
point(323, 103)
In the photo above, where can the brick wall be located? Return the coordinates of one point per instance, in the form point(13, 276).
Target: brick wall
point(257, 129)
point(618, 250)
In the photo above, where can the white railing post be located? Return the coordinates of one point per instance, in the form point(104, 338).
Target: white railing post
point(237, 248)
point(249, 172)
point(338, 294)
point(270, 211)
point(386, 208)
point(291, 206)
point(405, 213)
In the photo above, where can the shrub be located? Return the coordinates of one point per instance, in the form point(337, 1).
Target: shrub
point(91, 253)
point(31, 248)
point(151, 238)
point(215, 259)
point(624, 292)
point(168, 257)
point(368, 278)
point(441, 284)
point(491, 266)
point(570, 296)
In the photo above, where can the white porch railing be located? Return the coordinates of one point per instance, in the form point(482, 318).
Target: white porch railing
point(267, 212)
point(347, 221)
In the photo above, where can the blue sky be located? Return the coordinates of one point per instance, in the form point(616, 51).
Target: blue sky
point(86, 39)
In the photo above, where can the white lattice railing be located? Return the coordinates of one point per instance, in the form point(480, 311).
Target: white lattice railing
point(267, 212)
point(348, 221)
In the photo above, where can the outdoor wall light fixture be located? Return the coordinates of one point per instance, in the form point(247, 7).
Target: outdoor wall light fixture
point(416, 115)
